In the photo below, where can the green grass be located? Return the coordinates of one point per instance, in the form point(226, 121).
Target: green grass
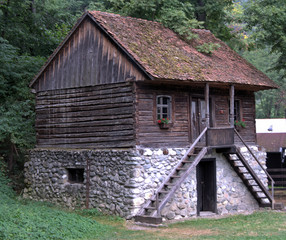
point(259, 225)
point(23, 219)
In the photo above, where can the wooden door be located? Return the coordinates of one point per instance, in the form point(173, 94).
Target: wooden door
point(198, 117)
point(206, 186)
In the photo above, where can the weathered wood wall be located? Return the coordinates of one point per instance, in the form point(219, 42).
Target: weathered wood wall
point(88, 58)
point(88, 117)
point(149, 134)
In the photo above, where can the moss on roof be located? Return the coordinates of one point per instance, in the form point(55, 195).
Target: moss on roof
point(165, 55)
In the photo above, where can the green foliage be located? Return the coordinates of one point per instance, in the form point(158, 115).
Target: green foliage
point(270, 103)
point(16, 102)
point(6, 192)
point(214, 14)
point(208, 48)
point(174, 14)
point(33, 221)
point(266, 21)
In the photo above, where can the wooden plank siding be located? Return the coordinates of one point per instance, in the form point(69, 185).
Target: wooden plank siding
point(148, 133)
point(89, 117)
point(88, 58)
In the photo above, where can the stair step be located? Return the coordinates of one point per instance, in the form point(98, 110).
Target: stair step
point(150, 208)
point(148, 219)
point(181, 168)
point(162, 191)
point(187, 161)
point(170, 184)
point(176, 176)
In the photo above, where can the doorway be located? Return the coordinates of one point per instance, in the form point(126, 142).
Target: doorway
point(198, 117)
point(206, 186)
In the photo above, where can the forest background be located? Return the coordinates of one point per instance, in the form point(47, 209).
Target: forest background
point(30, 30)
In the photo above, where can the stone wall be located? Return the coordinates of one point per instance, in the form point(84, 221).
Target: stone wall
point(122, 180)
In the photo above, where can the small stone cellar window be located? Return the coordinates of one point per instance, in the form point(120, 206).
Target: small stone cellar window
point(164, 107)
point(75, 175)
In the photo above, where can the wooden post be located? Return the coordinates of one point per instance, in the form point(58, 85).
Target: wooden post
point(207, 97)
point(231, 93)
point(87, 183)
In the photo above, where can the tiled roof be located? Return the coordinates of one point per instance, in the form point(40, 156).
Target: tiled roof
point(164, 55)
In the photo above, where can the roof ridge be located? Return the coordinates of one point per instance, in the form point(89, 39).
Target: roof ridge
point(122, 16)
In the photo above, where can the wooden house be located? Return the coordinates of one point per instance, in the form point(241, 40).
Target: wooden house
point(101, 101)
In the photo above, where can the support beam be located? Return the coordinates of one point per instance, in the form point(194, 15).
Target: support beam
point(207, 97)
point(231, 117)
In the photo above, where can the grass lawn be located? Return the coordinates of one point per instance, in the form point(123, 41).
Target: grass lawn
point(31, 220)
point(28, 220)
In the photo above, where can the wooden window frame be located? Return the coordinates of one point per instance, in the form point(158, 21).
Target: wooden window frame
point(236, 111)
point(160, 115)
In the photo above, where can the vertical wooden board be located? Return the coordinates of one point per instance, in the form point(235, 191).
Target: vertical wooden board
point(114, 66)
point(52, 80)
point(85, 61)
point(65, 69)
point(119, 68)
point(103, 62)
point(98, 58)
point(73, 50)
point(48, 82)
point(69, 63)
point(60, 72)
point(94, 47)
point(110, 64)
point(91, 54)
point(80, 55)
point(77, 60)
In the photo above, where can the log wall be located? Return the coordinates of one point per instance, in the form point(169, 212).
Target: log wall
point(89, 117)
point(88, 58)
point(179, 134)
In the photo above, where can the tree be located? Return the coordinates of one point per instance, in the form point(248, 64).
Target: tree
point(270, 103)
point(266, 19)
point(16, 101)
point(178, 15)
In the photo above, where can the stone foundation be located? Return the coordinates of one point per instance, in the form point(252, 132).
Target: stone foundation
point(122, 180)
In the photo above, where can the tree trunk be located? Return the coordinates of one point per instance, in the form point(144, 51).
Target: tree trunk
point(11, 159)
point(200, 12)
point(33, 7)
point(5, 11)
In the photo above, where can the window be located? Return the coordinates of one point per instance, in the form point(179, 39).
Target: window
point(163, 107)
point(236, 110)
point(75, 175)
point(237, 115)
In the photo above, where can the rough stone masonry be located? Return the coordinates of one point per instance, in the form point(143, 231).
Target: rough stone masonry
point(120, 181)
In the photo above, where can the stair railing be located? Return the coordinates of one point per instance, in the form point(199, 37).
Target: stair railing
point(267, 174)
point(179, 163)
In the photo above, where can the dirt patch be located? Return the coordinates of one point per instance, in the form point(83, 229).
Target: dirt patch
point(183, 232)
point(171, 232)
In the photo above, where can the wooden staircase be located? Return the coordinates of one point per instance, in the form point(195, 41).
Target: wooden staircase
point(249, 178)
point(150, 212)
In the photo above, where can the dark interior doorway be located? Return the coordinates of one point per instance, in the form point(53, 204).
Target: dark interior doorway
point(206, 186)
point(198, 117)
